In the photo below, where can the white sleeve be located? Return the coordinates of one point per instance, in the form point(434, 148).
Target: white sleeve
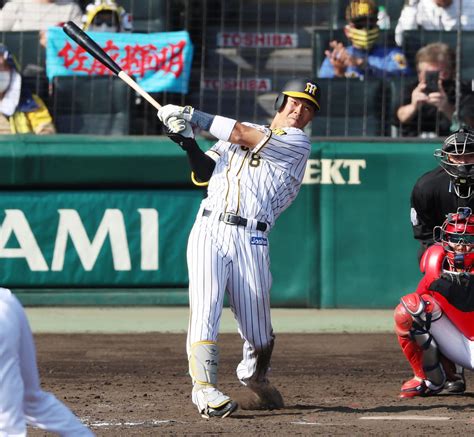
point(8, 16)
point(287, 149)
point(76, 15)
point(407, 21)
point(217, 150)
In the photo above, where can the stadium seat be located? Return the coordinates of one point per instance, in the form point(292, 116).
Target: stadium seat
point(396, 90)
point(350, 107)
point(413, 40)
point(97, 105)
point(28, 51)
point(148, 15)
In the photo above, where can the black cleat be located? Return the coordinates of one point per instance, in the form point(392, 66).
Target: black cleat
point(455, 387)
point(221, 412)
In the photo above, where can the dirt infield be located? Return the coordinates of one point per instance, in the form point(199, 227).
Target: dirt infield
point(333, 384)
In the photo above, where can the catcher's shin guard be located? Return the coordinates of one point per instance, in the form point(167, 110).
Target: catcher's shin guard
point(414, 355)
point(412, 321)
point(203, 365)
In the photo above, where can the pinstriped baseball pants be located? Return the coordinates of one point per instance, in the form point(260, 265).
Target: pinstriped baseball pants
point(224, 258)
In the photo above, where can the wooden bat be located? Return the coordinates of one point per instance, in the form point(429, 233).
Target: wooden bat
point(90, 46)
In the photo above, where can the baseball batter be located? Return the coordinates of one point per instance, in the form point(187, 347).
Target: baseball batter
point(253, 173)
point(22, 401)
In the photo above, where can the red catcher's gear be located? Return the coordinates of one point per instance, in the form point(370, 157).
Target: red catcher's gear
point(431, 263)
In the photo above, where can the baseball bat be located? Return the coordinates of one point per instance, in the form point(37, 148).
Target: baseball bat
point(90, 46)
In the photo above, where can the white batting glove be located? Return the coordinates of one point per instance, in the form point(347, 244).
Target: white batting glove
point(179, 126)
point(181, 112)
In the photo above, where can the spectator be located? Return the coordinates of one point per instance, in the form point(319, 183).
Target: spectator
point(23, 15)
point(106, 16)
point(363, 57)
point(20, 110)
point(434, 15)
point(38, 14)
point(428, 112)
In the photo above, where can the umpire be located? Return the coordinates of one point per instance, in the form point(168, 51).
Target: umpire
point(442, 191)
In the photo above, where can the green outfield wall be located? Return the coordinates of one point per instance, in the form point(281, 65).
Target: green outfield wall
point(104, 221)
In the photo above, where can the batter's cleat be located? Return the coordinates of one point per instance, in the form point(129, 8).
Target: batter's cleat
point(418, 387)
point(221, 412)
point(262, 396)
point(213, 403)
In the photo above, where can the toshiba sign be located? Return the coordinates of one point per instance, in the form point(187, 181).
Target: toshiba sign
point(254, 39)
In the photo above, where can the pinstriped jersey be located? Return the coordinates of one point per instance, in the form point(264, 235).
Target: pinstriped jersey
point(258, 183)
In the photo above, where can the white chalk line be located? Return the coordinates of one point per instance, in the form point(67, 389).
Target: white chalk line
point(401, 418)
point(129, 424)
point(417, 417)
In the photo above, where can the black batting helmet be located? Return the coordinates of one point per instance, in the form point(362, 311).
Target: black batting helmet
point(301, 88)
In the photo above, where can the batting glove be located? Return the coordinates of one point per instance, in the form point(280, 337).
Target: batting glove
point(179, 126)
point(181, 112)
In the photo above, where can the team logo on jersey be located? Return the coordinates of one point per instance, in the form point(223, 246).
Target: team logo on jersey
point(259, 241)
point(254, 160)
point(278, 131)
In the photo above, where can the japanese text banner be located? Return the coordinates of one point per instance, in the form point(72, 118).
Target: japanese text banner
point(157, 61)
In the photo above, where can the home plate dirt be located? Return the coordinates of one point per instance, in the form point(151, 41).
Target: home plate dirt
point(332, 384)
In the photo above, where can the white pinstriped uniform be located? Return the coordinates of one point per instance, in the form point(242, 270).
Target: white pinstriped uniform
point(258, 185)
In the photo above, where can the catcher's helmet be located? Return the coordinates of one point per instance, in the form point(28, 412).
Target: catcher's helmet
point(457, 237)
point(456, 157)
point(301, 88)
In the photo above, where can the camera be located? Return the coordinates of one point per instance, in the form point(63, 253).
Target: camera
point(431, 79)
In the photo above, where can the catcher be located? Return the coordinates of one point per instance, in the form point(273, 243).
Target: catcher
point(435, 324)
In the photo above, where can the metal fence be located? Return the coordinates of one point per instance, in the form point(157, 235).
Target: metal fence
point(244, 51)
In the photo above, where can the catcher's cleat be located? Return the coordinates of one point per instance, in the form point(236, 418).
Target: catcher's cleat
point(221, 412)
point(455, 387)
point(455, 382)
point(419, 387)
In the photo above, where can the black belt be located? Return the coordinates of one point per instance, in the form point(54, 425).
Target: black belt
point(232, 219)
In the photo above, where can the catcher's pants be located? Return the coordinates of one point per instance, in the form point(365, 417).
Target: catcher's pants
point(452, 343)
point(224, 257)
point(21, 399)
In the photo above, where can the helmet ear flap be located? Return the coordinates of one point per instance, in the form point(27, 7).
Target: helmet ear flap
point(280, 102)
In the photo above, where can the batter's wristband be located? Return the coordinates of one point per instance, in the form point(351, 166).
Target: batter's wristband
point(220, 127)
point(202, 119)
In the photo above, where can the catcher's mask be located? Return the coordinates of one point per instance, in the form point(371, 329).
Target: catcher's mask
point(456, 157)
point(300, 88)
point(456, 235)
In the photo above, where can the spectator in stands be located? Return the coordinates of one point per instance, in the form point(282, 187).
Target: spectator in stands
point(20, 110)
point(364, 57)
point(434, 15)
point(23, 15)
point(429, 112)
point(106, 16)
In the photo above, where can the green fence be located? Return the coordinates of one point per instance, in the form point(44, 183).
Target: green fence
point(94, 220)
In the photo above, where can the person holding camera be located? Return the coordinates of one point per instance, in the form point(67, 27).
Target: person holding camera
point(428, 104)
